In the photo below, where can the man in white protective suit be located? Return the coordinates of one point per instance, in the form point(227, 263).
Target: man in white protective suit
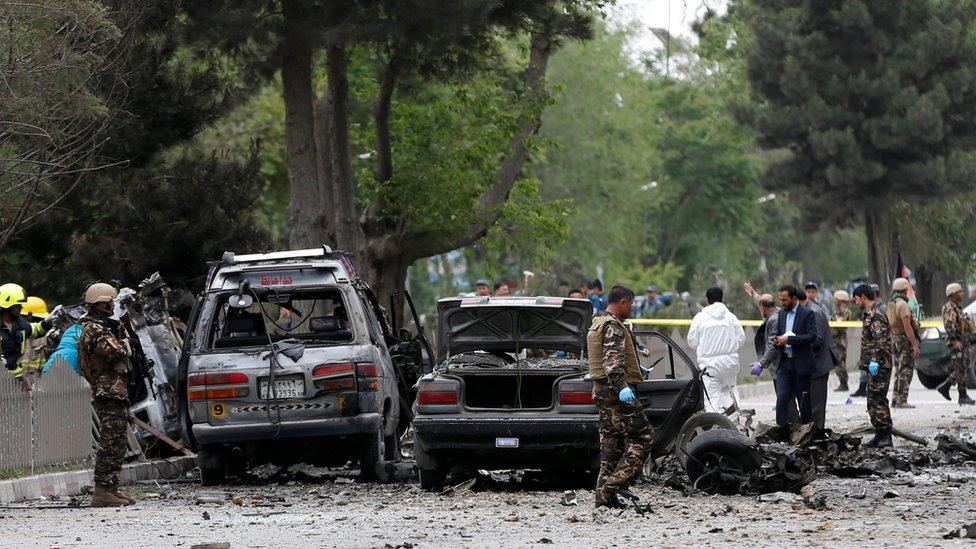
point(716, 335)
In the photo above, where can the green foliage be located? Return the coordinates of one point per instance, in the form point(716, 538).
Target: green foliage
point(873, 99)
point(164, 205)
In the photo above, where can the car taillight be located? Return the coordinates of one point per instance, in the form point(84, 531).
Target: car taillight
point(576, 397)
point(575, 392)
point(332, 370)
point(206, 381)
point(230, 378)
point(426, 398)
point(366, 376)
point(367, 369)
point(334, 377)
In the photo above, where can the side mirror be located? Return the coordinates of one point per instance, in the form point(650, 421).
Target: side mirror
point(240, 301)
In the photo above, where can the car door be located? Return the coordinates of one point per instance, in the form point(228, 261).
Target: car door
point(672, 391)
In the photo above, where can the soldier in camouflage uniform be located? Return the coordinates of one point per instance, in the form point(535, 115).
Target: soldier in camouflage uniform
point(104, 362)
point(957, 338)
point(876, 359)
point(625, 433)
point(904, 339)
point(842, 313)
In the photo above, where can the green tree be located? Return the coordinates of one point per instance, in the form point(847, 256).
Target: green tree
point(395, 215)
point(870, 102)
point(161, 205)
point(52, 116)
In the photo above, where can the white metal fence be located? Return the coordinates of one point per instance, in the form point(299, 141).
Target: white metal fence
point(48, 425)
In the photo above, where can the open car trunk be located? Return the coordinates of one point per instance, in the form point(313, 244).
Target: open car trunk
point(480, 338)
point(510, 389)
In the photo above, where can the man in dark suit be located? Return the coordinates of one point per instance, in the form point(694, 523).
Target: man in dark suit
point(826, 354)
point(798, 335)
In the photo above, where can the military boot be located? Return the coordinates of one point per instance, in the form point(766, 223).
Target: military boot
point(103, 497)
point(842, 388)
point(943, 389)
point(882, 439)
point(608, 498)
point(119, 494)
point(862, 390)
point(964, 399)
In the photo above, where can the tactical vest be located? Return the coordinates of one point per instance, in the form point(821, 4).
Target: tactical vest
point(594, 351)
point(896, 325)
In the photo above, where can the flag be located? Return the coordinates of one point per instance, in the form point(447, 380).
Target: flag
point(902, 271)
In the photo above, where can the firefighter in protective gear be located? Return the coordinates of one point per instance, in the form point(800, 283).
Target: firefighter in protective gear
point(103, 360)
point(15, 330)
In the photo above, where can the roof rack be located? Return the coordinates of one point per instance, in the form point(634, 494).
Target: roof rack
point(230, 258)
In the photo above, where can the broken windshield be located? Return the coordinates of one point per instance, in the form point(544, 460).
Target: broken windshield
point(313, 316)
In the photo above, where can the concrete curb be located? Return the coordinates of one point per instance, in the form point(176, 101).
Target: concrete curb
point(71, 483)
point(754, 390)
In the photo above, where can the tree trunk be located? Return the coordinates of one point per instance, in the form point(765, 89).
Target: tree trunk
point(882, 254)
point(306, 227)
point(386, 276)
point(348, 230)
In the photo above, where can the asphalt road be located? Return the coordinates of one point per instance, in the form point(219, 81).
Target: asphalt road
point(529, 514)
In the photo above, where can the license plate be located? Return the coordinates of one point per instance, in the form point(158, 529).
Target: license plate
point(506, 442)
point(287, 387)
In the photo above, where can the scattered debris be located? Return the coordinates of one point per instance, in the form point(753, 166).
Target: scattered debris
point(210, 496)
point(206, 515)
point(545, 541)
point(966, 531)
point(466, 485)
point(779, 497)
point(891, 494)
point(569, 498)
point(220, 545)
point(949, 445)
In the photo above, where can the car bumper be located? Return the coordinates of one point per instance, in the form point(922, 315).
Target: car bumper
point(246, 432)
point(458, 433)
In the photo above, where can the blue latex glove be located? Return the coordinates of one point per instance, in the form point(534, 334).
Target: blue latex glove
point(627, 395)
point(873, 368)
point(756, 369)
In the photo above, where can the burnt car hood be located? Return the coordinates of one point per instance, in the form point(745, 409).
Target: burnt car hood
point(466, 324)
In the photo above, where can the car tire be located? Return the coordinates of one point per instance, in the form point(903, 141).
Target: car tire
point(369, 455)
point(432, 479)
point(696, 426)
point(929, 381)
point(213, 468)
point(730, 452)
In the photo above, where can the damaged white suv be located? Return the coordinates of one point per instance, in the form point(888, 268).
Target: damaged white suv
point(288, 358)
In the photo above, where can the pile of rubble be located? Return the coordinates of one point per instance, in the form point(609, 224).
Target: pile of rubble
point(792, 457)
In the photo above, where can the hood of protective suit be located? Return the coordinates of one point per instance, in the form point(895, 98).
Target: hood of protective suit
point(718, 311)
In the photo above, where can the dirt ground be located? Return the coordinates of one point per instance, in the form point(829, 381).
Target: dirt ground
point(917, 510)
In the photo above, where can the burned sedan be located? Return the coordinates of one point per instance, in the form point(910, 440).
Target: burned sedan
point(510, 389)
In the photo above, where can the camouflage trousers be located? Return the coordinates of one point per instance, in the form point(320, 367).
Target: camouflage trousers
point(625, 441)
point(878, 395)
point(904, 359)
point(113, 418)
point(957, 369)
point(841, 368)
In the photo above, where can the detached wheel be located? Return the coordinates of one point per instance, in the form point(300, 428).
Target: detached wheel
point(212, 464)
point(696, 426)
point(720, 461)
point(432, 479)
point(929, 381)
